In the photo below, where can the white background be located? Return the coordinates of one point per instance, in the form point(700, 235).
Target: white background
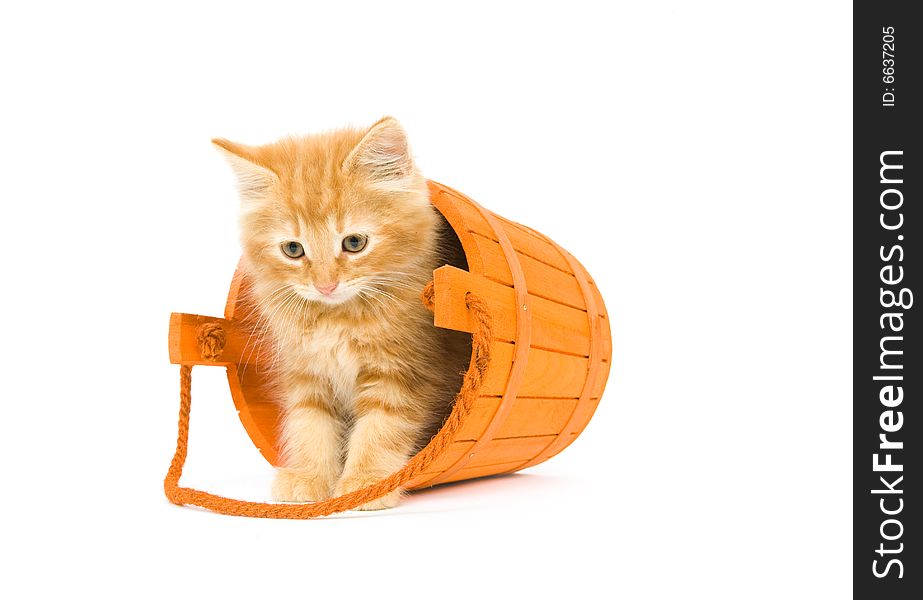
point(696, 157)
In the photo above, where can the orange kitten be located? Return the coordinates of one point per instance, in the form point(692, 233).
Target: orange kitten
point(339, 238)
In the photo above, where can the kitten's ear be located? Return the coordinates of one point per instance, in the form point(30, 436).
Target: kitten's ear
point(383, 155)
point(254, 177)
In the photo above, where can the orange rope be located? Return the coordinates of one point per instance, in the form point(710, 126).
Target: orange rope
point(212, 342)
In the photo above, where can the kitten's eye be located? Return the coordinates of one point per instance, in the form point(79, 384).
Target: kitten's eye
point(292, 249)
point(355, 242)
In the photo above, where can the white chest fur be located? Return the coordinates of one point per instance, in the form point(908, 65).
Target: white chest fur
point(328, 352)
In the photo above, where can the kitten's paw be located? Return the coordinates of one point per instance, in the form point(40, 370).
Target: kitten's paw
point(298, 486)
point(351, 484)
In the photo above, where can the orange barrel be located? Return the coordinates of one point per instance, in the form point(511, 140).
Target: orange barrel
point(550, 356)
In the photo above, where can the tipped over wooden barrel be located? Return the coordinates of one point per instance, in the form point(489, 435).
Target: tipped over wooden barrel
point(551, 351)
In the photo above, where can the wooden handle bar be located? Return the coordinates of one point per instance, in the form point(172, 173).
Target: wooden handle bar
point(185, 349)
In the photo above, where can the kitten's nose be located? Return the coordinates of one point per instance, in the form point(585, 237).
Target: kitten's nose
point(326, 288)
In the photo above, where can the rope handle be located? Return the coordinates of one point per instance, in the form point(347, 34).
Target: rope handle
point(211, 339)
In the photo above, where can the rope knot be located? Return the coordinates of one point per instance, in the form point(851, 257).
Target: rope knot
point(211, 339)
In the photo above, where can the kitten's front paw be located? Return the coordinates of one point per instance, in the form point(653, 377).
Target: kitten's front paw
point(351, 484)
point(298, 486)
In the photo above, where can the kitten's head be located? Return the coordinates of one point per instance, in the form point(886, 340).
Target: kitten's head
point(333, 216)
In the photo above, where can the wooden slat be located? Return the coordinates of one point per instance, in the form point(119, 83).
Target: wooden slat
point(543, 280)
point(236, 307)
point(483, 471)
point(537, 247)
point(481, 413)
point(525, 242)
point(257, 425)
point(451, 454)
point(547, 373)
point(553, 374)
point(562, 441)
point(465, 206)
point(554, 326)
point(528, 417)
point(507, 450)
point(267, 417)
point(537, 417)
point(462, 216)
point(496, 451)
point(263, 409)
